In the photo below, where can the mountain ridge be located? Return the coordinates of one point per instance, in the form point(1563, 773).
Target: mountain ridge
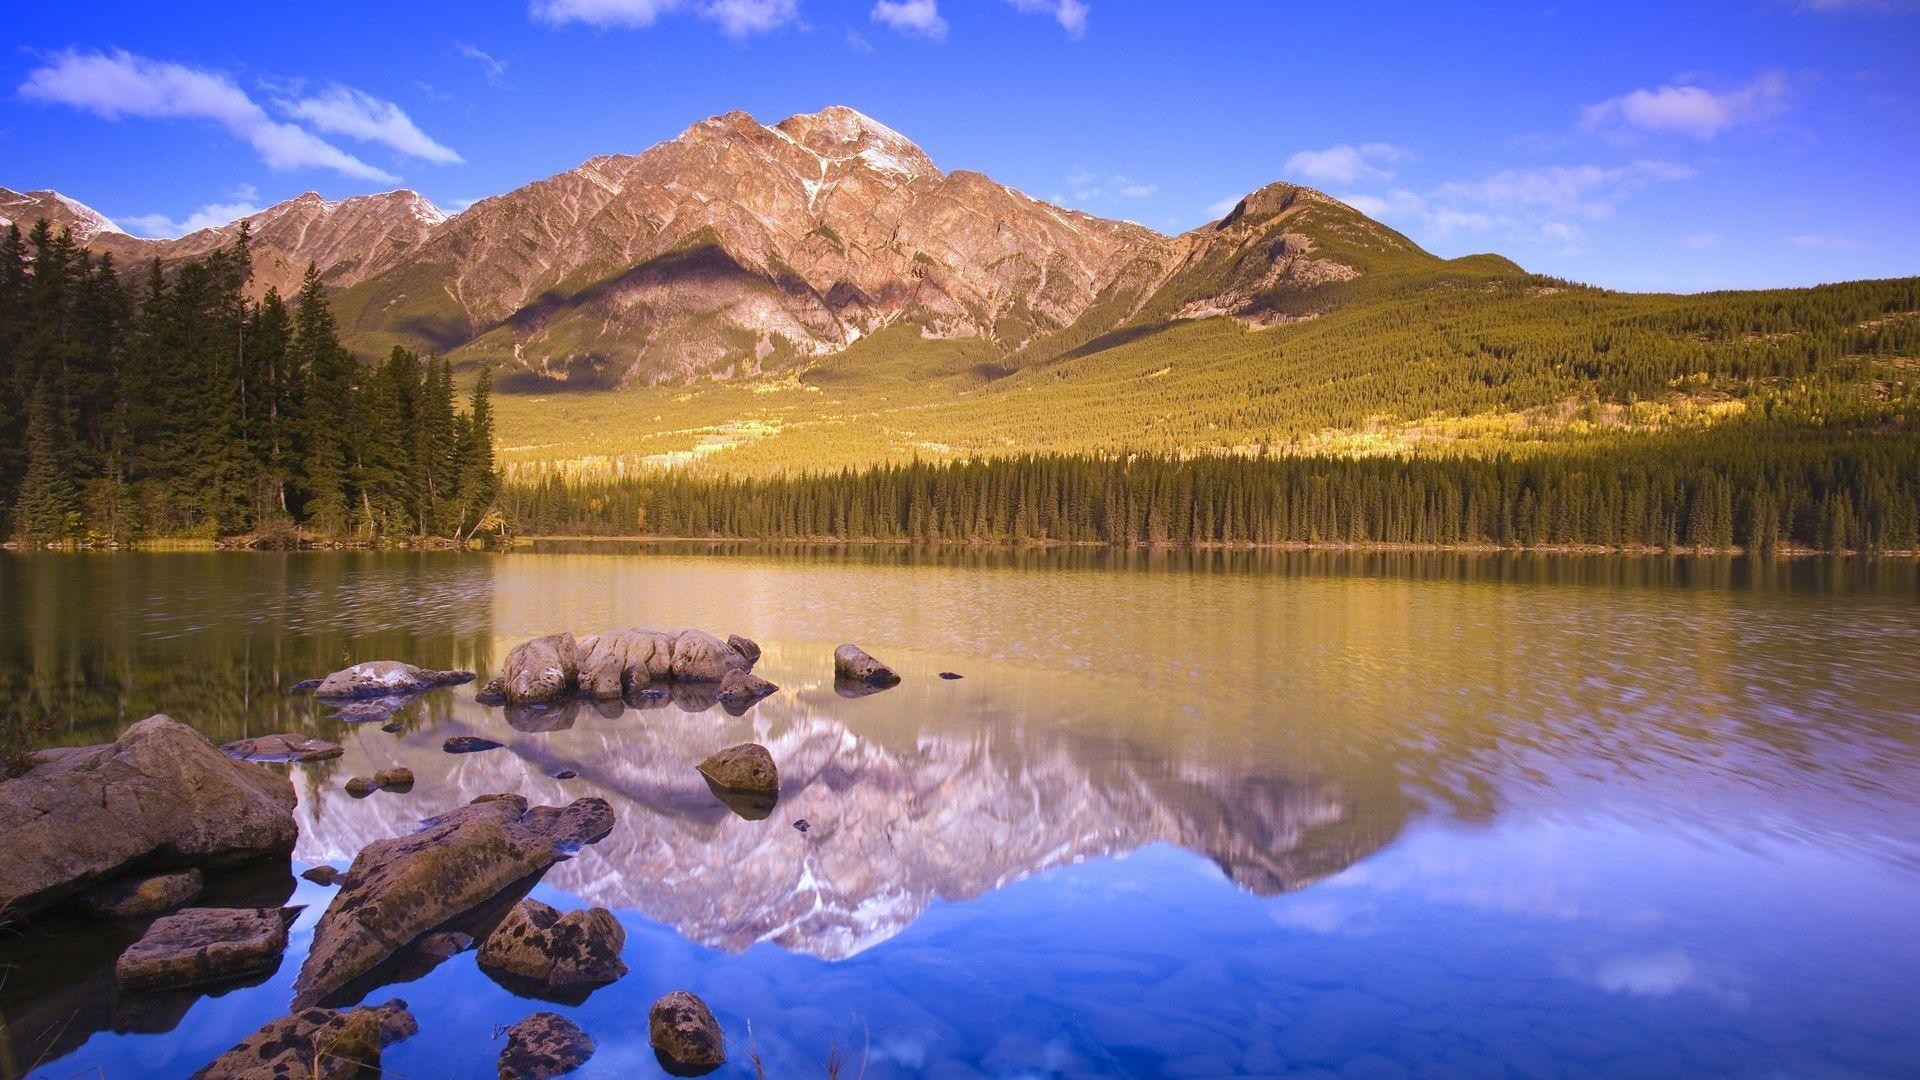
point(739, 248)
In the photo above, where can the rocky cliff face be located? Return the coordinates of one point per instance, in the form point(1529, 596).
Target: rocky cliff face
point(739, 247)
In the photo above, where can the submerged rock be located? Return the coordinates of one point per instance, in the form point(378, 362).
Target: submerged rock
point(132, 897)
point(401, 888)
point(316, 1044)
point(203, 945)
point(306, 686)
point(544, 1045)
point(386, 678)
point(160, 797)
point(950, 675)
point(565, 774)
point(469, 744)
point(543, 952)
point(853, 664)
point(685, 1035)
point(287, 747)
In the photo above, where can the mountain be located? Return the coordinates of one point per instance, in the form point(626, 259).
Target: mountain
point(740, 248)
point(349, 240)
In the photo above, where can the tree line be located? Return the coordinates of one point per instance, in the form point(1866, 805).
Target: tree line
point(1754, 486)
point(180, 407)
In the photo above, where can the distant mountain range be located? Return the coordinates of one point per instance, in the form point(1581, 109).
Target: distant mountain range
point(739, 248)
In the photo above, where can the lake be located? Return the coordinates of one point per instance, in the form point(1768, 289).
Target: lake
point(1186, 815)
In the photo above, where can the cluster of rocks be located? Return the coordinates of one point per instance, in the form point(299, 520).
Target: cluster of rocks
point(130, 829)
point(626, 664)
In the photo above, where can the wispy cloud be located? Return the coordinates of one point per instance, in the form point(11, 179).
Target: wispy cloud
point(492, 68)
point(1070, 14)
point(118, 84)
point(342, 110)
point(916, 18)
point(241, 202)
point(1349, 164)
point(1553, 204)
point(1827, 242)
point(735, 18)
point(1686, 108)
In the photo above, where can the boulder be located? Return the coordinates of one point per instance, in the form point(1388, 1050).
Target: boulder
point(739, 689)
point(401, 888)
point(160, 797)
point(620, 662)
point(685, 1035)
point(205, 945)
point(469, 744)
point(544, 1045)
point(700, 657)
point(287, 747)
point(747, 767)
point(395, 779)
point(386, 678)
point(544, 952)
point(852, 663)
point(322, 875)
point(371, 711)
point(544, 669)
point(316, 1044)
point(132, 897)
point(746, 647)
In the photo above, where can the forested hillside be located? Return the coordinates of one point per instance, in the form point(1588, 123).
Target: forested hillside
point(178, 407)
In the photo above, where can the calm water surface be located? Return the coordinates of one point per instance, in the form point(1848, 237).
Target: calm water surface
point(1185, 816)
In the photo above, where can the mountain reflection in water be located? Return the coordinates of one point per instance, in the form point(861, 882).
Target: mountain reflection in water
point(1557, 814)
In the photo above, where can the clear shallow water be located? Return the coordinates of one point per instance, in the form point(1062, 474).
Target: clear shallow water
point(1186, 816)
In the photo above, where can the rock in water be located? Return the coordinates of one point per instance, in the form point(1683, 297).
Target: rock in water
point(132, 897)
point(306, 686)
point(386, 678)
point(852, 663)
point(400, 888)
point(622, 662)
point(950, 675)
point(739, 689)
point(746, 647)
point(203, 945)
point(161, 797)
point(288, 747)
point(544, 1045)
point(398, 778)
point(544, 669)
point(685, 1035)
point(322, 875)
point(313, 1044)
point(469, 744)
point(700, 657)
point(546, 952)
point(747, 767)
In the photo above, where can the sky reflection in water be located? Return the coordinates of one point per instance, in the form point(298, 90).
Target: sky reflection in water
point(1379, 817)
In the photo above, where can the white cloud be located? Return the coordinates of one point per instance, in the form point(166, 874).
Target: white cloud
point(1070, 14)
point(1552, 204)
point(342, 110)
point(119, 84)
point(1702, 241)
point(735, 18)
point(242, 202)
point(492, 68)
point(858, 42)
point(919, 18)
point(1349, 164)
point(1222, 207)
point(1689, 109)
point(1827, 242)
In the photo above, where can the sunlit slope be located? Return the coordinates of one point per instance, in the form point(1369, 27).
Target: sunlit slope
point(1454, 357)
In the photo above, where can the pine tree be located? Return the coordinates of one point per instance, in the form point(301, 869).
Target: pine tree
point(48, 507)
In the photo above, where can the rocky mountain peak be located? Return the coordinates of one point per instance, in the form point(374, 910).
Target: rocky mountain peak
point(840, 134)
point(25, 208)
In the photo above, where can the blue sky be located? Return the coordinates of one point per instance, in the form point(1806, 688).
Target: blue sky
point(1640, 145)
